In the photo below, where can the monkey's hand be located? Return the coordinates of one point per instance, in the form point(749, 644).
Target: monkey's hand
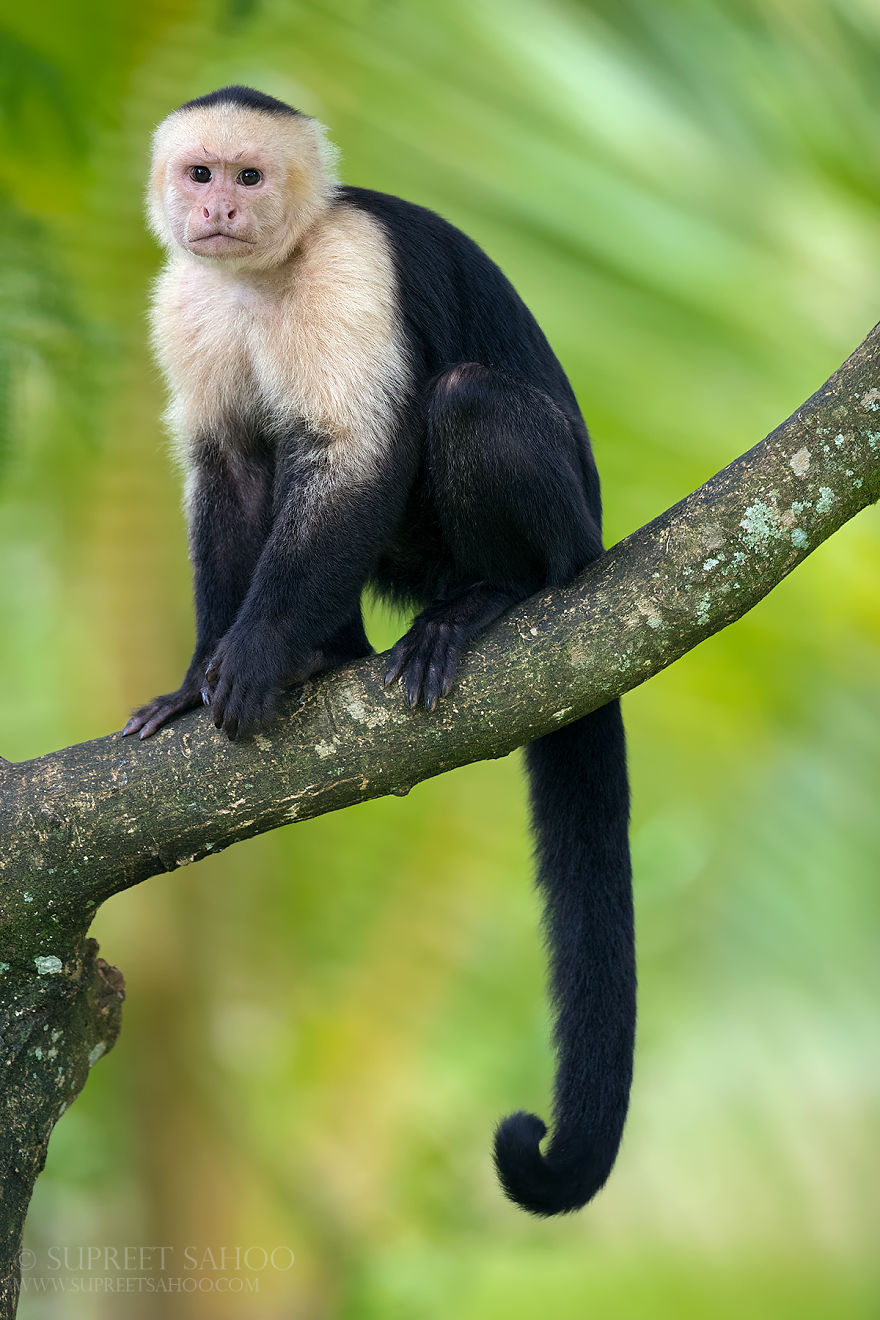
point(160, 710)
point(246, 675)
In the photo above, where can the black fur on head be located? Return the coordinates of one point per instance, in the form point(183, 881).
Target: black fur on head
point(248, 97)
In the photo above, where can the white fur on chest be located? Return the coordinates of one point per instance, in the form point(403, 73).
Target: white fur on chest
point(317, 340)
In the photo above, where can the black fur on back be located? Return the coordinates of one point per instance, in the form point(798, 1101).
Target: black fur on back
point(459, 307)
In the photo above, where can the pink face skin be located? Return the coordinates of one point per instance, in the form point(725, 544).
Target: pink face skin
point(237, 187)
point(219, 197)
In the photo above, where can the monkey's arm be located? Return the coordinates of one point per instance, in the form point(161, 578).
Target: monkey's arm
point(332, 513)
point(229, 500)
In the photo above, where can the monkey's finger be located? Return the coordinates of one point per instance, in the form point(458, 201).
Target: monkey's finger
point(164, 713)
point(244, 722)
point(209, 687)
point(450, 668)
point(239, 720)
point(137, 721)
point(156, 720)
point(214, 664)
point(413, 678)
point(242, 716)
point(432, 688)
point(219, 698)
point(146, 715)
point(399, 657)
point(232, 706)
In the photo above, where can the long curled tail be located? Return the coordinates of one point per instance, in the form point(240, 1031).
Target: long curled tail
point(580, 812)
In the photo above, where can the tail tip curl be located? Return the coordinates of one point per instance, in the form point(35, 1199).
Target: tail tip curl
point(539, 1183)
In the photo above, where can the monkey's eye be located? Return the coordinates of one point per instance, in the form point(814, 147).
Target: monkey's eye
point(249, 177)
point(200, 174)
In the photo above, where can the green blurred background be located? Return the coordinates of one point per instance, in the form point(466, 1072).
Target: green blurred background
point(324, 1023)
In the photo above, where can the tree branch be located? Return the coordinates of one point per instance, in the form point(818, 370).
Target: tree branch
point(80, 824)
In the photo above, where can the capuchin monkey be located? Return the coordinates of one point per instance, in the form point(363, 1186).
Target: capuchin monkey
point(360, 398)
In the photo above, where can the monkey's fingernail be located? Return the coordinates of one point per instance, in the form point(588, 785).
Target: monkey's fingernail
point(206, 697)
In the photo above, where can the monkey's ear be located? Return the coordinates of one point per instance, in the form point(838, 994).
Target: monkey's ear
point(312, 168)
point(329, 155)
point(157, 218)
point(155, 204)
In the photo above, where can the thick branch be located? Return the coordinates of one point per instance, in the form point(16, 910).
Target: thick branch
point(85, 822)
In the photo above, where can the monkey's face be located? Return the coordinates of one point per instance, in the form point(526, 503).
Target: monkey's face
point(228, 210)
point(237, 185)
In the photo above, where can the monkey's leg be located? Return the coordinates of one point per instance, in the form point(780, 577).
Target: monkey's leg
point(229, 516)
point(508, 484)
point(330, 522)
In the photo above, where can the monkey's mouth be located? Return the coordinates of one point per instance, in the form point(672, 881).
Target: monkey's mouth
point(219, 238)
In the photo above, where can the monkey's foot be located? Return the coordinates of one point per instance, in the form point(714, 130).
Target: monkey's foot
point(160, 710)
point(427, 658)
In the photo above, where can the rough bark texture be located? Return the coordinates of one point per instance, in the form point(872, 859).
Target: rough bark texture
point(81, 824)
point(55, 1022)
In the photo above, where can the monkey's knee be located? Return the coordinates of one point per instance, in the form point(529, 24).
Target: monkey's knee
point(502, 412)
point(460, 403)
point(469, 422)
point(449, 385)
point(493, 433)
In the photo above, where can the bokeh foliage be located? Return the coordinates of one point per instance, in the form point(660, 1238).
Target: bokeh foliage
point(324, 1023)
